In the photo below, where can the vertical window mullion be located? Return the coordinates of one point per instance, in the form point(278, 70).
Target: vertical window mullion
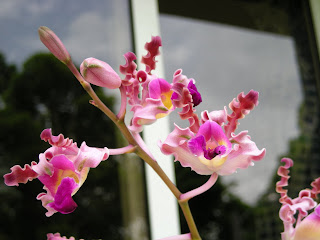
point(163, 208)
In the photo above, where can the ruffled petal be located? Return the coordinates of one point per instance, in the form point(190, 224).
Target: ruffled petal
point(243, 154)
point(178, 137)
point(219, 116)
point(20, 175)
point(90, 157)
point(45, 199)
point(153, 51)
point(240, 107)
point(129, 68)
point(315, 188)
point(44, 167)
point(283, 172)
point(57, 236)
point(59, 141)
point(147, 114)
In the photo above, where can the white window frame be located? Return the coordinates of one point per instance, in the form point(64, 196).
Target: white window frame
point(162, 205)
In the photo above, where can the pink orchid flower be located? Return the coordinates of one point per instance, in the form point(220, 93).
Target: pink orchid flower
point(57, 236)
point(307, 226)
point(212, 147)
point(62, 169)
point(157, 98)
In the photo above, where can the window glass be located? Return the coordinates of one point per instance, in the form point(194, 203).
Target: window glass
point(225, 61)
point(37, 92)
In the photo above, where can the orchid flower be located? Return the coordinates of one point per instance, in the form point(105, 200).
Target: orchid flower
point(158, 98)
point(62, 169)
point(306, 226)
point(212, 148)
point(57, 236)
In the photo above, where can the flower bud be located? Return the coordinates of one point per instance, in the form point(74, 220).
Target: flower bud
point(99, 73)
point(54, 44)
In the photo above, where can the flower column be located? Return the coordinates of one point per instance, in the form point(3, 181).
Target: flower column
point(160, 199)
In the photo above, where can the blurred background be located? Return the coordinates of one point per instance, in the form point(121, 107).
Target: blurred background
point(228, 47)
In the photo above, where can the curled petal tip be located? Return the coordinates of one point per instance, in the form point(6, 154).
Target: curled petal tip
point(153, 50)
point(99, 73)
point(54, 44)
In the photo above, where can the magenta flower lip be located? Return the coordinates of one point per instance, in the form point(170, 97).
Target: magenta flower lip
point(196, 96)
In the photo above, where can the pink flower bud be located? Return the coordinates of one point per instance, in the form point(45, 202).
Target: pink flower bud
point(99, 73)
point(54, 44)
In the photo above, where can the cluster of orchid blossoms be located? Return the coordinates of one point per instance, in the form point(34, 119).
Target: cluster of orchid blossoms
point(305, 226)
point(209, 145)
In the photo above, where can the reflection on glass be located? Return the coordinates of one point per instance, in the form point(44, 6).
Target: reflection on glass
point(37, 92)
point(224, 61)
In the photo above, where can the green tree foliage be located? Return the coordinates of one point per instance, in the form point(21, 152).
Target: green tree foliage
point(46, 95)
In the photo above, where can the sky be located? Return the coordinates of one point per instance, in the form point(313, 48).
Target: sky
point(224, 61)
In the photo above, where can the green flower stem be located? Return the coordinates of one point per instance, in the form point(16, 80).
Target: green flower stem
point(189, 218)
point(138, 150)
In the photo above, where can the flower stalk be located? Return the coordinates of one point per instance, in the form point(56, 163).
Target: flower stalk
point(209, 145)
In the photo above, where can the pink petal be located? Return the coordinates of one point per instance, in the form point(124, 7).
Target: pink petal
point(157, 87)
point(147, 114)
point(20, 175)
point(129, 68)
point(178, 77)
point(57, 236)
point(44, 166)
point(315, 187)
point(62, 162)
point(219, 116)
point(153, 51)
point(242, 155)
point(46, 198)
point(90, 157)
point(283, 172)
point(240, 107)
point(59, 141)
point(181, 95)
